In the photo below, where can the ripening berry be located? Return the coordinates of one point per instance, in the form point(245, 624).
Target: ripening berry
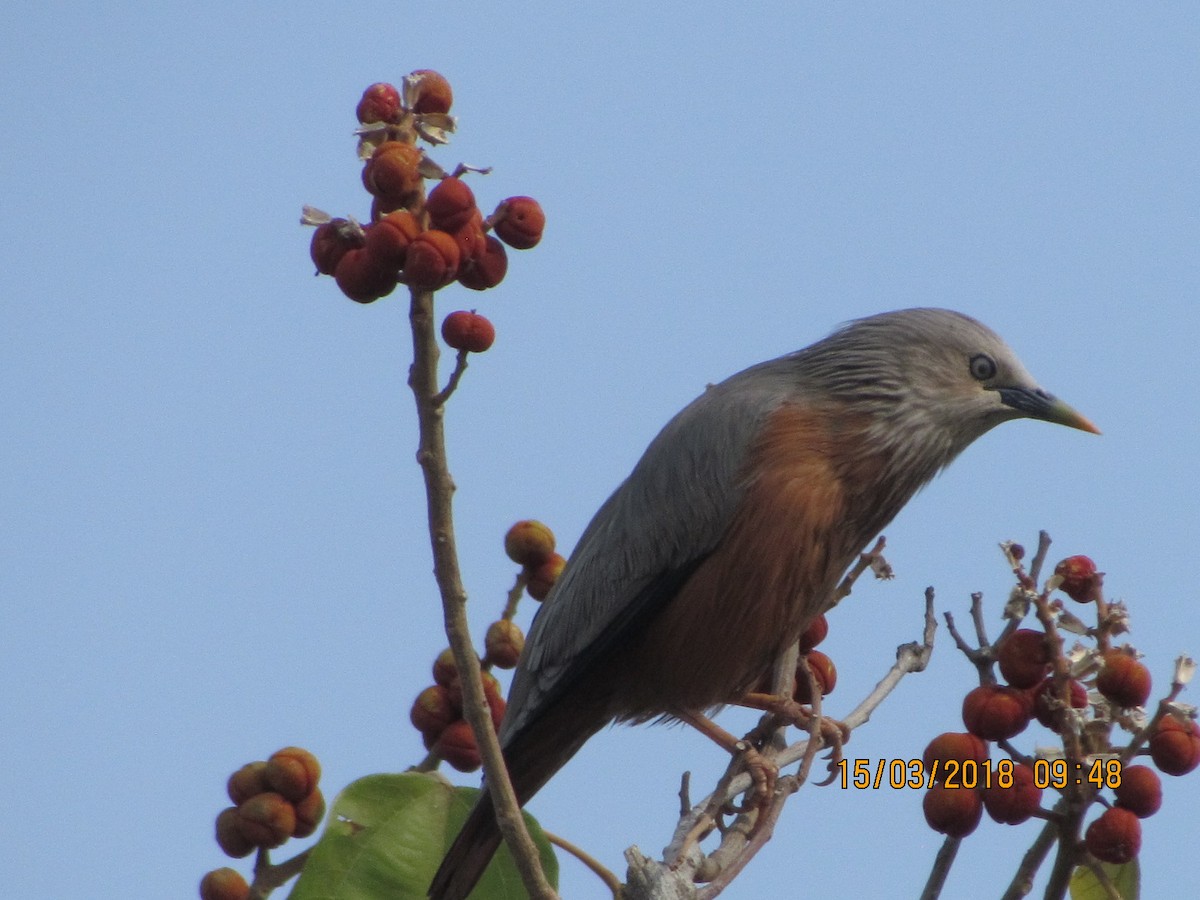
point(432, 260)
point(494, 695)
point(330, 241)
point(247, 781)
point(230, 838)
point(824, 674)
point(433, 710)
point(1115, 837)
point(468, 331)
point(529, 543)
point(1023, 657)
point(451, 204)
point(362, 279)
point(954, 812)
point(380, 103)
point(309, 813)
point(519, 222)
point(994, 712)
point(433, 93)
point(1140, 791)
point(388, 239)
point(393, 172)
point(293, 772)
point(266, 820)
point(1080, 580)
point(1123, 680)
point(1175, 746)
point(456, 745)
point(224, 884)
point(1049, 709)
point(445, 669)
point(542, 578)
point(1014, 804)
point(503, 644)
point(816, 632)
point(952, 746)
point(486, 267)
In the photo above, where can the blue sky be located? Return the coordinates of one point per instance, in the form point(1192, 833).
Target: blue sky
point(212, 533)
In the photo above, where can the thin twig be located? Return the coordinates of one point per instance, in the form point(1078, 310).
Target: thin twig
point(611, 881)
point(941, 868)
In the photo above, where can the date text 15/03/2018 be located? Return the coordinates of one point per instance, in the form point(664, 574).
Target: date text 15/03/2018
point(863, 774)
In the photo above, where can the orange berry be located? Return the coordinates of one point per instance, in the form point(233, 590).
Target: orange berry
point(1123, 680)
point(529, 543)
point(816, 631)
point(456, 745)
point(432, 260)
point(392, 172)
point(1014, 804)
point(952, 811)
point(330, 241)
point(380, 103)
point(247, 781)
point(824, 674)
point(266, 820)
point(953, 746)
point(494, 695)
point(468, 331)
point(451, 204)
point(388, 239)
point(543, 577)
point(1115, 837)
point(1140, 791)
point(485, 268)
point(519, 222)
point(503, 643)
point(1023, 658)
point(293, 772)
point(309, 813)
point(1175, 746)
point(433, 93)
point(433, 710)
point(1080, 580)
point(1049, 709)
point(230, 838)
point(994, 712)
point(445, 669)
point(224, 884)
point(361, 278)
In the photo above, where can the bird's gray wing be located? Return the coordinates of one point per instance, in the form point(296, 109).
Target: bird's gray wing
point(647, 539)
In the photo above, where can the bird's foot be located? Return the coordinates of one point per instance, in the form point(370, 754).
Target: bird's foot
point(763, 773)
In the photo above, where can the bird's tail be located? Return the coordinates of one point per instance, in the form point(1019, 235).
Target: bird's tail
point(469, 855)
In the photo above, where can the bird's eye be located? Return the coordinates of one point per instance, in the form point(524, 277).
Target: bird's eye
point(983, 367)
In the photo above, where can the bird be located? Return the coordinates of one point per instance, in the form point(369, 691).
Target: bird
point(733, 529)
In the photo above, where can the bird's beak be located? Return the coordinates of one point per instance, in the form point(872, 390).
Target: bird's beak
point(1038, 404)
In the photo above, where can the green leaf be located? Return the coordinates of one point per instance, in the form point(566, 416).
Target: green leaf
point(387, 834)
point(1126, 878)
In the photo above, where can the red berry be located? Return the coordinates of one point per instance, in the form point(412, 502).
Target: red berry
point(468, 331)
point(1080, 580)
point(230, 838)
point(519, 222)
point(388, 239)
point(485, 268)
point(247, 781)
point(952, 811)
point(293, 772)
point(529, 543)
point(1115, 837)
point(362, 279)
point(392, 173)
point(1049, 709)
point(494, 695)
point(1014, 804)
point(432, 260)
point(1023, 657)
point(503, 643)
point(456, 745)
point(224, 884)
point(994, 712)
point(1123, 680)
point(433, 93)
point(953, 746)
point(1140, 791)
point(445, 669)
point(816, 631)
point(380, 103)
point(1175, 746)
point(309, 813)
point(433, 710)
point(266, 820)
point(330, 241)
point(824, 674)
point(543, 577)
point(451, 204)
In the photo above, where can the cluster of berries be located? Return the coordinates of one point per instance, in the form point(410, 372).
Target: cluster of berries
point(273, 800)
point(530, 544)
point(426, 242)
point(997, 712)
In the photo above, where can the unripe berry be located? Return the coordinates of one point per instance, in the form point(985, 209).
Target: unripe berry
point(380, 103)
point(483, 269)
point(451, 204)
point(529, 543)
point(1115, 837)
point(445, 669)
point(994, 712)
point(953, 746)
point(954, 812)
point(433, 710)
point(456, 745)
point(1175, 746)
point(266, 820)
point(1023, 657)
point(293, 772)
point(468, 331)
point(1123, 680)
point(816, 631)
point(824, 674)
point(503, 643)
point(1140, 791)
point(519, 222)
point(230, 838)
point(1080, 580)
point(224, 884)
point(388, 239)
point(393, 172)
point(247, 781)
point(433, 93)
point(1014, 804)
point(543, 577)
point(361, 278)
point(432, 260)
point(330, 241)
point(309, 813)
point(1049, 709)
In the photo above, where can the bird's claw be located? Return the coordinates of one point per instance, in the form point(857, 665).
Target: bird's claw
point(763, 773)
